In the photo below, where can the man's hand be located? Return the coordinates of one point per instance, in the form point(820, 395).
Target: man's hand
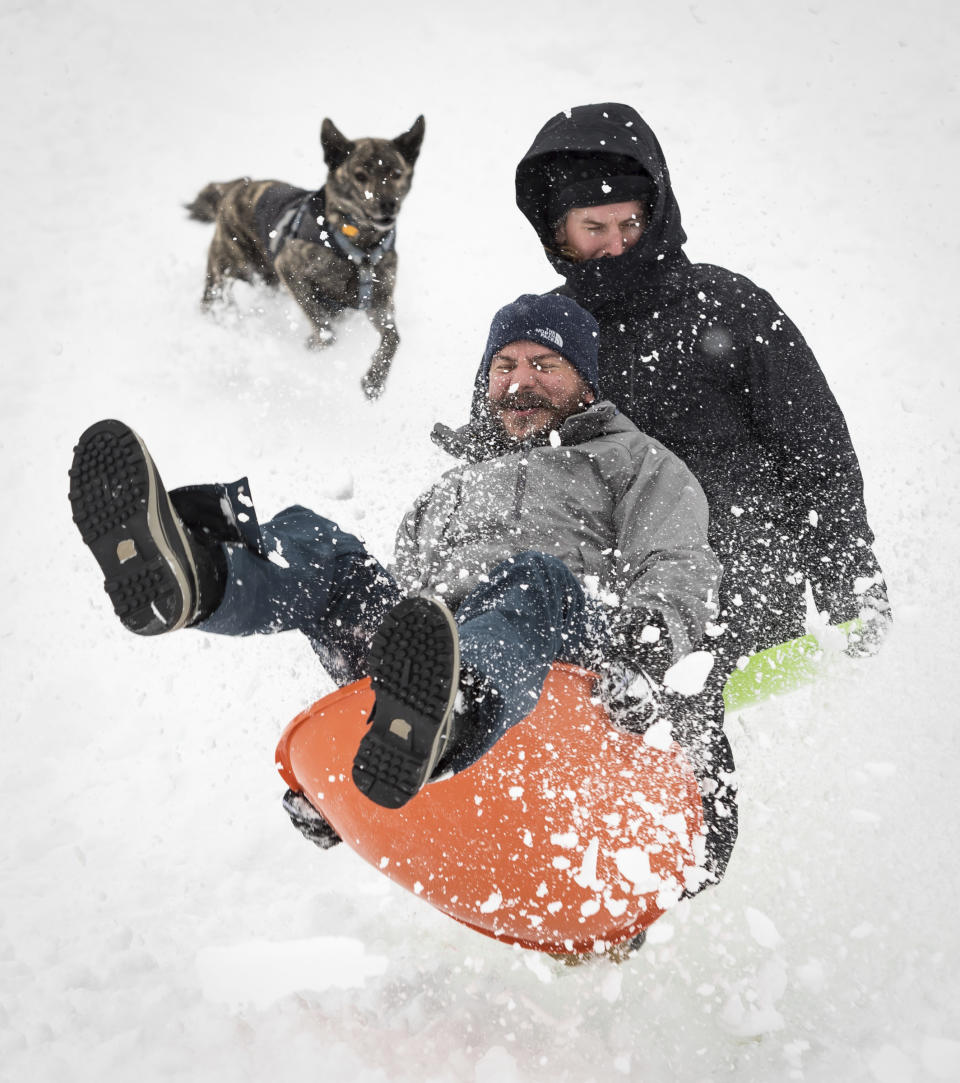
point(875, 619)
point(308, 821)
point(632, 699)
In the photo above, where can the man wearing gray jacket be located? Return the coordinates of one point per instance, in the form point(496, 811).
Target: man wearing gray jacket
point(566, 534)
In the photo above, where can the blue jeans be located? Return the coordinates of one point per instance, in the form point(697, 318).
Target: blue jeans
point(317, 579)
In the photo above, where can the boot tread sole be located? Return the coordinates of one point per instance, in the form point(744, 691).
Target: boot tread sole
point(414, 666)
point(125, 518)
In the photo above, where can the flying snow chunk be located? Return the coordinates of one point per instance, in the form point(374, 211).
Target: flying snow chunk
point(554, 438)
point(492, 904)
point(275, 556)
point(659, 735)
point(565, 839)
point(633, 864)
point(661, 932)
point(616, 907)
point(689, 675)
point(587, 876)
point(676, 823)
point(762, 928)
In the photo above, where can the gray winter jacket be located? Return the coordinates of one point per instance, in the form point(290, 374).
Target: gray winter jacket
point(623, 513)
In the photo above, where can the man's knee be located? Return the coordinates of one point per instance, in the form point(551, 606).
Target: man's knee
point(300, 526)
point(537, 583)
point(533, 567)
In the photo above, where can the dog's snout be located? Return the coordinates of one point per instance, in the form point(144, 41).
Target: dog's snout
point(388, 207)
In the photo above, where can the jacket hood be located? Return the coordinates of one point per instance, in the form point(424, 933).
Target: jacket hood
point(616, 135)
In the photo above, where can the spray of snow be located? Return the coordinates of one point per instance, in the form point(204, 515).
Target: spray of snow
point(142, 824)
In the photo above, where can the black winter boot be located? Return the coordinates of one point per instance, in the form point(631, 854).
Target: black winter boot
point(414, 665)
point(158, 575)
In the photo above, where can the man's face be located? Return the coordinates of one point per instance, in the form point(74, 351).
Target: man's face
point(594, 232)
point(533, 389)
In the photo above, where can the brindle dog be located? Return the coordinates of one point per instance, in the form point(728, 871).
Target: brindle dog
point(332, 248)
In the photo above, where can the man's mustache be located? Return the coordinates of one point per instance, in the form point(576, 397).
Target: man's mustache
point(524, 400)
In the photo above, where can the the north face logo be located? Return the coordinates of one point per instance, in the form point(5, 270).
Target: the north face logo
point(551, 336)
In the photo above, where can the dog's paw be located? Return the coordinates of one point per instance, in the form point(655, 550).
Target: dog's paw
point(320, 340)
point(372, 386)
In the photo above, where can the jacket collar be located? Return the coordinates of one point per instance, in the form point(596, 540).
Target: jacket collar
point(597, 283)
point(480, 440)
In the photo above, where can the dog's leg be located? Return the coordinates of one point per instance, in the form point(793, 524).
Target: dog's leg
point(226, 262)
point(214, 288)
point(235, 251)
point(375, 377)
point(297, 265)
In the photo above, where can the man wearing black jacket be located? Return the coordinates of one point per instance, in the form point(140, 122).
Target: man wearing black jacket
point(707, 362)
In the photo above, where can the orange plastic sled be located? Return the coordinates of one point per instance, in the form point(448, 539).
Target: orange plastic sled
point(566, 837)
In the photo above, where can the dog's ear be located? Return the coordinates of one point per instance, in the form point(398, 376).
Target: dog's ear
point(409, 143)
point(336, 147)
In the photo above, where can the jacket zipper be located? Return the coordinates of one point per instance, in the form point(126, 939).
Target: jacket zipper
point(520, 489)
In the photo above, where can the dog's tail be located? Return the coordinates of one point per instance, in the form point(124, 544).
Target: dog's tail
point(204, 207)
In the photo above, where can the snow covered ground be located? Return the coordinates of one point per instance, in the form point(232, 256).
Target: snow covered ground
point(159, 916)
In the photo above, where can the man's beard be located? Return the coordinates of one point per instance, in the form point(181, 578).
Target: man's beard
point(529, 400)
point(524, 400)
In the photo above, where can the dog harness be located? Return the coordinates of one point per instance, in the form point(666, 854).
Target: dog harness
point(366, 261)
point(309, 211)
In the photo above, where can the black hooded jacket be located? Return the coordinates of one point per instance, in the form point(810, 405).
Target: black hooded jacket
point(706, 362)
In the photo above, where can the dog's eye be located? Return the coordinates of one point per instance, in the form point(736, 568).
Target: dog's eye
point(396, 173)
point(360, 175)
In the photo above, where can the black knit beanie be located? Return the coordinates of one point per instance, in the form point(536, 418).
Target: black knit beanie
point(594, 182)
point(556, 322)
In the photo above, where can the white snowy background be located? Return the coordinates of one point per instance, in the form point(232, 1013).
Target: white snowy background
point(159, 918)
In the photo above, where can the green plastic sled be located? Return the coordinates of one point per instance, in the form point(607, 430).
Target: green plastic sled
point(779, 669)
